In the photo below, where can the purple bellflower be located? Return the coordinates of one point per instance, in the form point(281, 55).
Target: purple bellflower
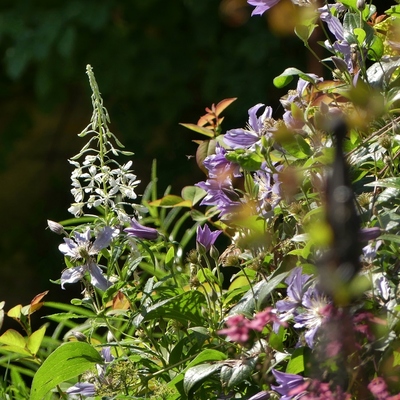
point(140, 231)
point(205, 237)
point(81, 247)
point(261, 6)
point(288, 384)
point(257, 127)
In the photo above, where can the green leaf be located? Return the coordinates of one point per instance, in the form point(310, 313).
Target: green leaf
point(390, 238)
point(393, 11)
point(268, 287)
point(392, 182)
point(196, 374)
point(304, 32)
point(199, 129)
point(236, 374)
point(169, 257)
point(379, 73)
point(193, 194)
point(296, 362)
point(35, 339)
point(14, 342)
point(183, 308)
point(376, 49)
point(171, 200)
point(287, 76)
point(207, 355)
point(66, 362)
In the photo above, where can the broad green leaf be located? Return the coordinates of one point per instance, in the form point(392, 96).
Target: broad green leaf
point(35, 339)
point(193, 194)
point(232, 375)
point(196, 374)
point(207, 355)
point(66, 362)
point(390, 238)
point(14, 342)
point(376, 49)
point(268, 287)
point(393, 11)
point(186, 307)
point(360, 35)
point(304, 32)
point(392, 182)
point(199, 129)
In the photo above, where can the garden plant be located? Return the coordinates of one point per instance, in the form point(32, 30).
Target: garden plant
point(277, 277)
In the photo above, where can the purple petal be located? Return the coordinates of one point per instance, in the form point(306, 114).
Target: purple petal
point(83, 388)
point(141, 231)
point(205, 237)
point(98, 279)
point(72, 275)
point(104, 239)
point(261, 5)
point(240, 138)
point(68, 248)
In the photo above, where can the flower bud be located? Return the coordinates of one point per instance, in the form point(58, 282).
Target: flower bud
point(56, 227)
point(361, 5)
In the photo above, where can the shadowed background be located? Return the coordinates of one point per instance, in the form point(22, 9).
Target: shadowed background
point(157, 63)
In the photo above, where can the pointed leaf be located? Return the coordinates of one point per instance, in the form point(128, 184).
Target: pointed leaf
point(196, 374)
point(66, 362)
point(199, 129)
point(171, 200)
point(35, 340)
point(224, 104)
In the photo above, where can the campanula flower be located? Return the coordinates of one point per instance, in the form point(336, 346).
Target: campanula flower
point(219, 167)
point(140, 231)
point(288, 383)
point(82, 248)
point(256, 128)
point(205, 237)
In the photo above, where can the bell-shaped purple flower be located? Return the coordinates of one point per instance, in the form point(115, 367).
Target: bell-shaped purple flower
point(288, 384)
point(140, 231)
point(261, 5)
point(205, 237)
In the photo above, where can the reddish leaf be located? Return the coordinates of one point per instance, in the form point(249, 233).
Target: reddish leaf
point(223, 104)
point(36, 303)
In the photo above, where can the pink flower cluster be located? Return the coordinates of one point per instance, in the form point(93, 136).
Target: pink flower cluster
point(240, 328)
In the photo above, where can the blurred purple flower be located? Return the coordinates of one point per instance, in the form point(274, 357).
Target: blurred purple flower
point(261, 5)
point(140, 231)
point(219, 167)
point(268, 189)
point(296, 282)
point(220, 193)
point(262, 318)
point(264, 395)
point(367, 234)
point(81, 247)
point(205, 237)
point(257, 127)
point(369, 251)
point(288, 383)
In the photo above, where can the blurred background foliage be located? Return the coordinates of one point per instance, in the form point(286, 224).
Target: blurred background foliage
point(157, 63)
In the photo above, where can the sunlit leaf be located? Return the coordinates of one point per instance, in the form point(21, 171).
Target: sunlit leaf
point(224, 104)
point(35, 339)
point(37, 302)
point(199, 129)
point(66, 362)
